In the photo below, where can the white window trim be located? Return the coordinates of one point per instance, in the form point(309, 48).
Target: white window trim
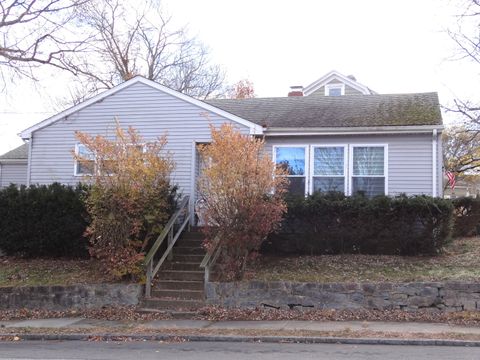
point(312, 163)
point(307, 163)
point(75, 163)
point(385, 165)
point(340, 86)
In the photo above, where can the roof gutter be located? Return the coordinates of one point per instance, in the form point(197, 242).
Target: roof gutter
point(418, 129)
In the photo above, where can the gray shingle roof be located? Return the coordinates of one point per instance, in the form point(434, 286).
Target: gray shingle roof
point(337, 111)
point(18, 153)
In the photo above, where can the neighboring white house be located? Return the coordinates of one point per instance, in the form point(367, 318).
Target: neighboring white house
point(335, 134)
point(13, 166)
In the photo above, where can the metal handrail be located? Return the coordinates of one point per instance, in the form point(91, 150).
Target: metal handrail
point(152, 270)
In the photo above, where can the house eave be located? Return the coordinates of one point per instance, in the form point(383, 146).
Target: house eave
point(419, 129)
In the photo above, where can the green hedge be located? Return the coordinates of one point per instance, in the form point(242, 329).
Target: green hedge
point(467, 216)
point(43, 221)
point(332, 223)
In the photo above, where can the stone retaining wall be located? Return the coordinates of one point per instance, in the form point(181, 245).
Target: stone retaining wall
point(448, 296)
point(69, 297)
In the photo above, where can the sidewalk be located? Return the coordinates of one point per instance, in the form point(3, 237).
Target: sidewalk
point(352, 332)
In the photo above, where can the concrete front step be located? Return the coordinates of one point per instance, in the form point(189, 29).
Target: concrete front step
point(180, 265)
point(193, 236)
point(181, 275)
point(188, 250)
point(179, 294)
point(178, 285)
point(192, 258)
point(171, 304)
point(190, 243)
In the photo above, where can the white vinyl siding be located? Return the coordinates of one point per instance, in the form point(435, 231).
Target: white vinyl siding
point(150, 111)
point(13, 173)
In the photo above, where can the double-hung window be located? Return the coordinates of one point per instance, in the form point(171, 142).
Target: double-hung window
point(86, 164)
point(293, 160)
point(328, 168)
point(368, 168)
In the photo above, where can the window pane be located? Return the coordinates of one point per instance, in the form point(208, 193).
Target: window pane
point(85, 167)
point(87, 164)
point(335, 92)
point(325, 184)
point(368, 161)
point(370, 186)
point(328, 161)
point(296, 186)
point(292, 159)
point(84, 152)
point(107, 167)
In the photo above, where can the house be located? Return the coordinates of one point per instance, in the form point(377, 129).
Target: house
point(13, 166)
point(468, 186)
point(335, 134)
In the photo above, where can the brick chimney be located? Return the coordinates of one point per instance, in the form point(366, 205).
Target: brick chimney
point(296, 91)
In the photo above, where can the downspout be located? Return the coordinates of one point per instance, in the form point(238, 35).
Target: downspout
point(434, 163)
point(29, 163)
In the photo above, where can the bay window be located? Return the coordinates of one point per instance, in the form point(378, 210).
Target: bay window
point(368, 169)
point(344, 168)
point(292, 160)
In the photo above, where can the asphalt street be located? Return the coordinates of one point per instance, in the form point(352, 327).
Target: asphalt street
point(225, 350)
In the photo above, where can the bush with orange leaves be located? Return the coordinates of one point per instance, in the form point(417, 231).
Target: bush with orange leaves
point(130, 198)
point(243, 197)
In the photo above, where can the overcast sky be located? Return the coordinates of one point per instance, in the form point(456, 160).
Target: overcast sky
point(391, 46)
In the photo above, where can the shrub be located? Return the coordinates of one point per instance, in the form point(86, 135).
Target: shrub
point(332, 223)
point(43, 221)
point(467, 216)
point(240, 206)
point(130, 198)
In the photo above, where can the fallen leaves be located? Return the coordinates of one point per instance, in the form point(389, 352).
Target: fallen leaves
point(34, 272)
point(461, 261)
point(213, 313)
point(112, 313)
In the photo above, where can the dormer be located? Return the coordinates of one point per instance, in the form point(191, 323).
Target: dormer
point(336, 84)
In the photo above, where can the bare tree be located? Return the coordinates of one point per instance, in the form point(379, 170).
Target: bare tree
point(462, 151)
point(242, 89)
point(466, 36)
point(32, 33)
point(138, 41)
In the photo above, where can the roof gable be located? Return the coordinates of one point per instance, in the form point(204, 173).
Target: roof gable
point(254, 128)
point(335, 75)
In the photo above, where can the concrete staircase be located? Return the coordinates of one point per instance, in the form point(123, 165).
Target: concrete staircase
point(179, 285)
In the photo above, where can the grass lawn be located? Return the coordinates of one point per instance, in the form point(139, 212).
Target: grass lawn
point(28, 272)
point(460, 261)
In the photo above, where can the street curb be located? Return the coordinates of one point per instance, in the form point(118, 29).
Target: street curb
point(259, 339)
